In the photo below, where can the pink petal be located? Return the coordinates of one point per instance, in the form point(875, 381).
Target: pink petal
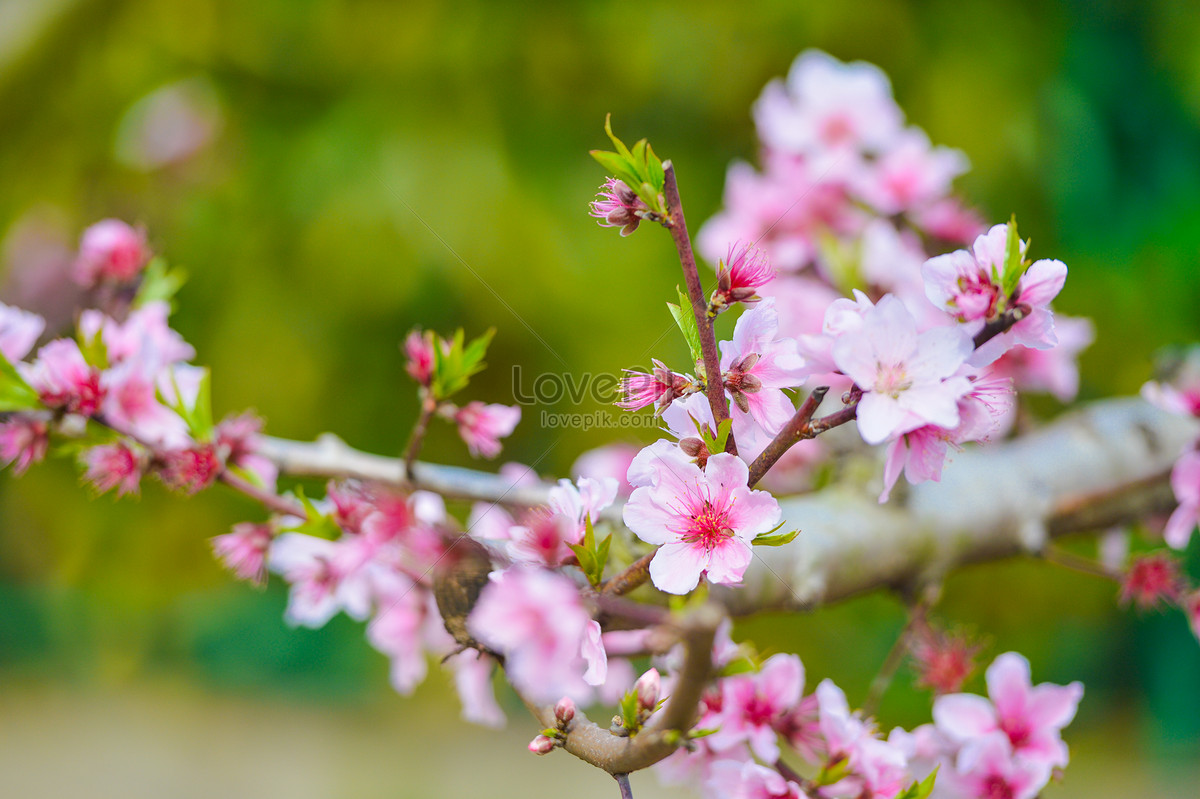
point(880, 417)
point(1009, 685)
point(962, 717)
point(677, 566)
point(1054, 705)
point(1042, 282)
point(727, 562)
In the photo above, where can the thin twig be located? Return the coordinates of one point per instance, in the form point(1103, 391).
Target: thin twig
point(1069, 560)
point(796, 430)
point(714, 387)
point(428, 408)
point(269, 499)
point(623, 781)
point(634, 575)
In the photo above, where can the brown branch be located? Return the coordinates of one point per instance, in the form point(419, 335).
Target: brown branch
point(634, 575)
point(666, 729)
point(797, 429)
point(714, 386)
point(268, 499)
point(1000, 324)
point(429, 406)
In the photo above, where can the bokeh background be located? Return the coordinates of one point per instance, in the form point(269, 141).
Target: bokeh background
point(333, 173)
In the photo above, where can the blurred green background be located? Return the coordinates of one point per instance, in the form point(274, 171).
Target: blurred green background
point(361, 152)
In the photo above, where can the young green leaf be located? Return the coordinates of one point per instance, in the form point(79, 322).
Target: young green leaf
point(777, 540)
point(15, 393)
point(454, 366)
point(685, 319)
point(1014, 264)
point(159, 283)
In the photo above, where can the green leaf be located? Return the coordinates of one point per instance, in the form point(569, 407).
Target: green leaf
point(315, 523)
point(640, 168)
point(1014, 264)
point(592, 557)
point(629, 712)
point(15, 393)
point(198, 417)
point(777, 540)
point(159, 283)
point(685, 318)
point(922, 789)
point(453, 366)
point(94, 350)
point(617, 166)
point(831, 774)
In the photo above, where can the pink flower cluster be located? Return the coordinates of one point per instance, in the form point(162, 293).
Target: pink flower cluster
point(1005, 746)
point(1008, 744)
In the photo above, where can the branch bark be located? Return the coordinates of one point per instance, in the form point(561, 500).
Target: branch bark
point(660, 737)
point(1101, 466)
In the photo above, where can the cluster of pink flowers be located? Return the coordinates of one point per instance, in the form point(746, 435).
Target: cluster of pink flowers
point(1007, 745)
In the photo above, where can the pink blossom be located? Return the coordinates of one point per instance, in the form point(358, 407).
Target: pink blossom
point(536, 620)
point(1151, 579)
point(116, 466)
point(23, 442)
point(482, 426)
point(703, 522)
point(745, 269)
point(145, 337)
point(990, 769)
point(322, 581)
point(132, 406)
point(828, 106)
point(911, 173)
point(611, 460)
point(238, 438)
point(110, 250)
point(585, 499)
point(1031, 717)
point(418, 348)
point(473, 681)
point(921, 453)
point(617, 205)
point(190, 470)
point(541, 538)
point(757, 366)
point(685, 416)
point(738, 780)
point(907, 378)
point(943, 661)
point(659, 388)
point(1180, 392)
point(1054, 370)
point(949, 220)
point(968, 285)
point(403, 610)
point(244, 550)
point(63, 379)
point(1185, 482)
point(754, 705)
point(19, 331)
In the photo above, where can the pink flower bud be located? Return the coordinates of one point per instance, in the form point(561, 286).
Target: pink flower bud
point(23, 442)
point(648, 687)
point(114, 466)
point(943, 660)
point(564, 711)
point(190, 470)
point(482, 426)
point(418, 347)
point(618, 206)
point(244, 551)
point(1151, 579)
point(111, 250)
point(541, 745)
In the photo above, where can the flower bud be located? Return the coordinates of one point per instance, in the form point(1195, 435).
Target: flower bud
point(564, 711)
point(111, 250)
point(648, 687)
point(541, 745)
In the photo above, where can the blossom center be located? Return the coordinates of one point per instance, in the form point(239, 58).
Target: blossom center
point(709, 526)
point(891, 379)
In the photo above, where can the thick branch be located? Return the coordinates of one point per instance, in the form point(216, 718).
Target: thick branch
point(329, 456)
point(1101, 466)
point(660, 737)
point(714, 386)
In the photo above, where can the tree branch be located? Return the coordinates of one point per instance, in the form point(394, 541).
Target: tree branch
point(1104, 465)
point(662, 734)
point(714, 386)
